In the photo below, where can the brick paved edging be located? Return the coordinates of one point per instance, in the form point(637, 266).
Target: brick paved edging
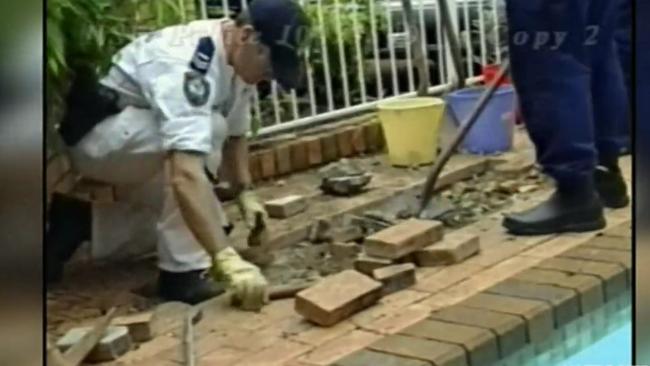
point(288, 154)
point(529, 313)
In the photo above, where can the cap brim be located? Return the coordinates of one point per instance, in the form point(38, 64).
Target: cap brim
point(287, 67)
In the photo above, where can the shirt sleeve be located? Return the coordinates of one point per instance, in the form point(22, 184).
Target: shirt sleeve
point(181, 100)
point(239, 117)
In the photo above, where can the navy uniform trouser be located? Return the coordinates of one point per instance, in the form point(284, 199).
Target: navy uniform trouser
point(623, 37)
point(642, 65)
point(569, 80)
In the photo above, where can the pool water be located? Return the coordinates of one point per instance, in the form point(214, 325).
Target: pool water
point(603, 337)
point(614, 349)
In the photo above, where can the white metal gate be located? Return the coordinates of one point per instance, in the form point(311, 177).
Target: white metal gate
point(360, 55)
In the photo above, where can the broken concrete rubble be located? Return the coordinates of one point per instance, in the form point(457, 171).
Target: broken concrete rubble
point(115, 342)
point(320, 232)
point(343, 178)
point(348, 233)
point(342, 250)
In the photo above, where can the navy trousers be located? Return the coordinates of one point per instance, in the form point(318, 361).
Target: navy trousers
point(642, 50)
point(567, 73)
point(623, 37)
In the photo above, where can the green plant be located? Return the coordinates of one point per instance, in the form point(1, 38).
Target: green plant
point(348, 10)
point(84, 35)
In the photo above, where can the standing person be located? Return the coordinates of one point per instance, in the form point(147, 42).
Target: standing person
point(172, 104)
point(568, 77)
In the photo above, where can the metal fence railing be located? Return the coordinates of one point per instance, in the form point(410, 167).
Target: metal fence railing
point(359, 55)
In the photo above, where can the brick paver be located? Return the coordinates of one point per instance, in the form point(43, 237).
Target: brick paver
point(335, 349)
point(612, 275)
point(299, 155)
point(455, 248)
point(314, 151)
point(510, 329)
point(344, 139)
point(223, 356)
point(395, 278)
point(480, 344)
point(267, 163)
point(316, 335)
point(538, 314)
point(446, 277)
point(622, 258)
point(589, 288)
point(337, 297)
point(398, 320)
point(283, 159)
point(366, 264)
point(623, 230)
point(367, 358)
point(438, 353)
point(565, 302)
point(403, 239)
point(330, 150)
point(623, 243)
point(275, 355)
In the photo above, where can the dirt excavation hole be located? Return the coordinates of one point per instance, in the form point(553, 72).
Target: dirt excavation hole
point(462, 204)
point(92, 288)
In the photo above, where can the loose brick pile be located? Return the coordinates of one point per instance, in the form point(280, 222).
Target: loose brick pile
point(532, 308)
point(479, 324)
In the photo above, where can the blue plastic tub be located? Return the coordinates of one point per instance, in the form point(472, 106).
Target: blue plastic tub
point(493, 131)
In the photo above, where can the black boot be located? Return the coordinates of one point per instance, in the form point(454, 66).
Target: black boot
point(577, 209)
point(190, 287)
point(68, 226)
point(611, 187)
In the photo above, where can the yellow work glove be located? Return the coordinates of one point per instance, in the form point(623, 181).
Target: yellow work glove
point(245, 280)
point(252, 210)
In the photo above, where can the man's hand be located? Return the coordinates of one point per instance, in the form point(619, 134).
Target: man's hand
point(252, 210)
point(245, 280)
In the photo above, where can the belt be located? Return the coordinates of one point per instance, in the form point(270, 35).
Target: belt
point(86, 107)
point(90, 102)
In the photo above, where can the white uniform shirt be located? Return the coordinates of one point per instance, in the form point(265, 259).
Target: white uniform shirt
point(150, 73)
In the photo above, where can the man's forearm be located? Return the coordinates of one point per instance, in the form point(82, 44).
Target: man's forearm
point(196, 200)
point(236, 156)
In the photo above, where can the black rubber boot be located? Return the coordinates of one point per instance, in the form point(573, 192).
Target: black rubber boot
point(190, 287)
point(68, 226)
point(611, 187)
point(574, 210)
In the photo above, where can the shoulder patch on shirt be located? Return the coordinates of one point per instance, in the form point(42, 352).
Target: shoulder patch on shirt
point(203, 55)
point(196, 89)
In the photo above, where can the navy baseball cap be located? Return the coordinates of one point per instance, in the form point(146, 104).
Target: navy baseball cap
point(283, 26)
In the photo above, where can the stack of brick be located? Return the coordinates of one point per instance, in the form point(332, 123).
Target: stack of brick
point(397, 244)
point(455, 248)
point(388, 253)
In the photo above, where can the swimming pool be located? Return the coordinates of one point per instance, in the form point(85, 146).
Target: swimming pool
point(613, 349)
point(601, 338)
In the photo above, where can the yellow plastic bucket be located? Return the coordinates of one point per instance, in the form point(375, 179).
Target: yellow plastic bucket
point(411, 128)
